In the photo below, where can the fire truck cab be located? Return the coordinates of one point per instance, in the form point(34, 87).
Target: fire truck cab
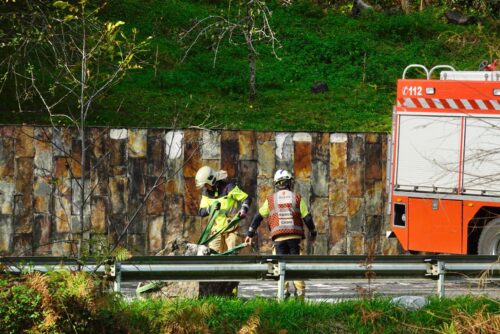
point(444, 162)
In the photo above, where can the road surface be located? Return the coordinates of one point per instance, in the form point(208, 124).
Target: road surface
point(335, 290)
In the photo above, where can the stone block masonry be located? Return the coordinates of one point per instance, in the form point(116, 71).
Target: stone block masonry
point(140, 189)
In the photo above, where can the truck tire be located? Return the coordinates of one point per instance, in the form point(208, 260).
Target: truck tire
point(489, 241)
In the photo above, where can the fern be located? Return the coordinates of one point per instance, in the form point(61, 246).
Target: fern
point(188, 318)
point(121, 254)
point(39, 283)
point(80, 286)
point(252, 324)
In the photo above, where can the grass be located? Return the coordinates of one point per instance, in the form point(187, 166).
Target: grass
point(221, 315)
point(61, 301)
point(360, 59)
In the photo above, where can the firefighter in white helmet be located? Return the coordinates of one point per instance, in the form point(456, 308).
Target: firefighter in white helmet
point(287, 214)
point(232, 201)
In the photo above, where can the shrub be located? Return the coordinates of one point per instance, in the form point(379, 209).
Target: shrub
point(20, 307)
point(57, 302)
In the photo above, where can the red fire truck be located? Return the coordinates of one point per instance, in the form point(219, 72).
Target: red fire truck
point(444, 161)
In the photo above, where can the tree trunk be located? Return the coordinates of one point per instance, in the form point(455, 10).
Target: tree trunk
point(252, 91)
point(82, 138)
point(405, 6)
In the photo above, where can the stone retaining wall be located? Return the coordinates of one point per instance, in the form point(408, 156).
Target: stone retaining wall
point(342, 176)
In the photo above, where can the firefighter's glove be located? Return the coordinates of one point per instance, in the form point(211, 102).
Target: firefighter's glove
point(242, 213)
point(248, 240)
point(217, 206)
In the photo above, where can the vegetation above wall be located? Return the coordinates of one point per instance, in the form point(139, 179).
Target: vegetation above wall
point(351, 62)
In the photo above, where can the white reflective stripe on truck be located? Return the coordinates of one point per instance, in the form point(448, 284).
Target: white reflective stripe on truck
point(453, 104)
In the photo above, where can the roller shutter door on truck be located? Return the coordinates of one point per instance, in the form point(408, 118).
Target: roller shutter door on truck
point(428, 153)
point(481, 174)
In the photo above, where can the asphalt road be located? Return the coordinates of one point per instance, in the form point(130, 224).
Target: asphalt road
point(342, 289)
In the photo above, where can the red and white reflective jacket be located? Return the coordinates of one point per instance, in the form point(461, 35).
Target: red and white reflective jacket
point(284, 213)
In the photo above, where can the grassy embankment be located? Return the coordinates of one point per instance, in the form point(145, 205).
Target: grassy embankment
point(61, 302)
point(359, 58)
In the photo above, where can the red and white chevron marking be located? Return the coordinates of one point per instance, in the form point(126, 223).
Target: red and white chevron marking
point(456, 104)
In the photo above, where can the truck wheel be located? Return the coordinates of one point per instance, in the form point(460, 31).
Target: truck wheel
point(489, 241)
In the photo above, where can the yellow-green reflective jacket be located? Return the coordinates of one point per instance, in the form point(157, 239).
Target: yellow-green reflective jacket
point(230, 197)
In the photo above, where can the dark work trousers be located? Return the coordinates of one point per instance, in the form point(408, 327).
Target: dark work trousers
point(290, 246)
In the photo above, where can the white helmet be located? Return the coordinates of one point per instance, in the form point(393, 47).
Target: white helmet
point(206, 175)
point(282, 175)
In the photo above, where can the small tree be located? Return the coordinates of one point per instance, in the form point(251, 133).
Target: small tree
point(61, 56)
point(244, 22)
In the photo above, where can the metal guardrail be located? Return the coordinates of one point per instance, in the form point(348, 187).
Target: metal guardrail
point(171, 268)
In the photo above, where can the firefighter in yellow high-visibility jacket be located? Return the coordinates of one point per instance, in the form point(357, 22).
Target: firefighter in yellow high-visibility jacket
point(232, 201)
point(286, 213)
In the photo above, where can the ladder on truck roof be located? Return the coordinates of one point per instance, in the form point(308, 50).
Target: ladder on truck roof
point(453, 74)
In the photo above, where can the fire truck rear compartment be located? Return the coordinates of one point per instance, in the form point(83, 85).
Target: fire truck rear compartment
point(435, 224)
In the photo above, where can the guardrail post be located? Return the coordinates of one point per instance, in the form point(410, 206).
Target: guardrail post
point(281, 282)
point(441, 271)
point(117, 274)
